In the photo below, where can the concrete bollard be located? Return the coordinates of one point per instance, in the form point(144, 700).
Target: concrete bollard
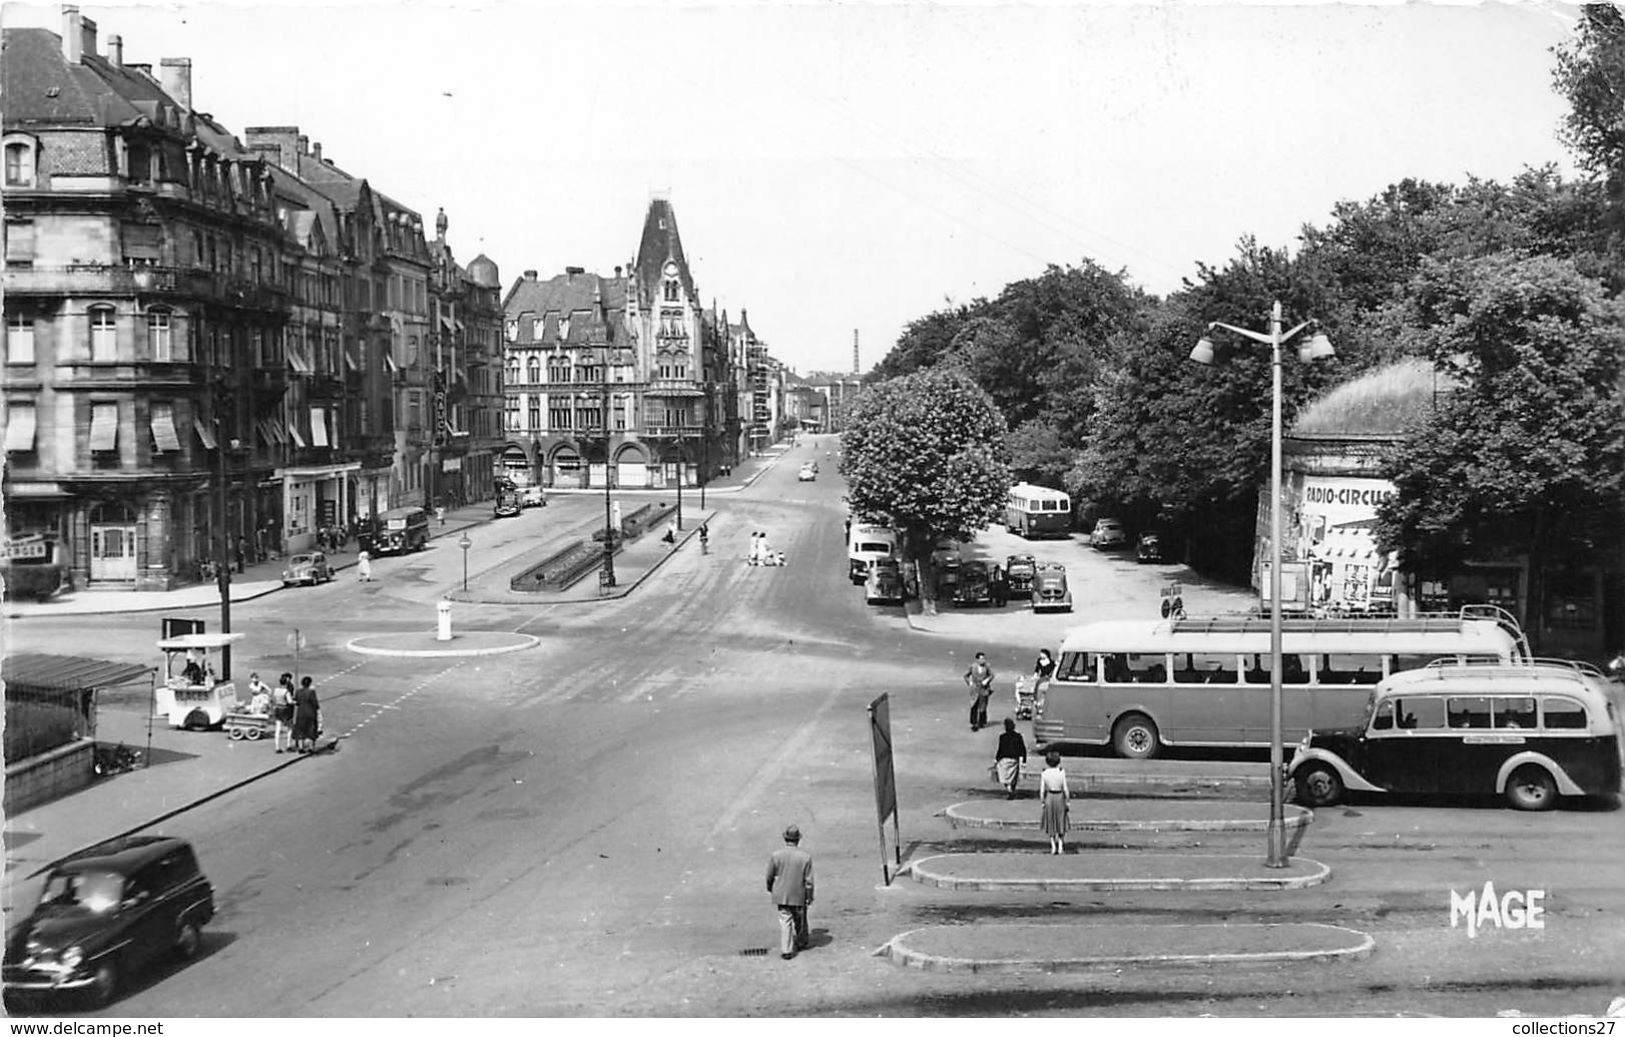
point(443, 610)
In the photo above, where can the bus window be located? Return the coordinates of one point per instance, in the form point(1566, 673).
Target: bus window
point(1383, 718)
point(1204, 668)
point(1132, 667)
point(1562, 715)
point(1420, 714)
point(1076, 666)
point(1396, 663)
point(1515, 713)
point(1469, 712)
point(1350, 669)
point(1294, 669)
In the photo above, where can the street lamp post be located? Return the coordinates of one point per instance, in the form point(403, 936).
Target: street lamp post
point(681, 465)
point(465, 543)
point(1318, 347)
point(607, 577)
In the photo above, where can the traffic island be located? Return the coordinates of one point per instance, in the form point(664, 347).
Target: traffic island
point(1129, 815)
point(1069, 947)
point(428, 645)
point(1073, 871)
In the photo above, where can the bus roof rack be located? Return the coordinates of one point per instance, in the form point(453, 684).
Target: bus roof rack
point(1559, 668)
point(1422, 623)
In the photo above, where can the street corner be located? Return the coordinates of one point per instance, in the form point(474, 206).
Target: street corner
point(1037, 869)
point(1073, 947)
point(1130, 815)
point(429, 645)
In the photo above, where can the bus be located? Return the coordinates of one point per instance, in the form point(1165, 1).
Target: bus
point(1037, 511)
point(401, 531)
point(1140, 685)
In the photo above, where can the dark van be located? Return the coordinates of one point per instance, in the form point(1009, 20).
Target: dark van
point(1529, 732)
point(105, 912)
point(401, 531)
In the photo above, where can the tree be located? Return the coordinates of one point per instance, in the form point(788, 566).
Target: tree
point(1039, 455)
point(926, 453)
point(1590, 73)
point(1529, 453)
point(922, 343)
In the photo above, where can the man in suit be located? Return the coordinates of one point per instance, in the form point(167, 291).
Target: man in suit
point(790, 880)
point(979, 678)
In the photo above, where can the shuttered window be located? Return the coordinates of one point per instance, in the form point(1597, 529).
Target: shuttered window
point(19, 428)
point(163, 428)
point(103, 427)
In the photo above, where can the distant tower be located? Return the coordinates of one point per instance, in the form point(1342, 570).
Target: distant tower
point(440, 223)
point(854, 350)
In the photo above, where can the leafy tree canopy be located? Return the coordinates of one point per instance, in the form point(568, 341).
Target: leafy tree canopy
point(926, 452)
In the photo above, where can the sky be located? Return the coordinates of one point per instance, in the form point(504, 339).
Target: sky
point(841, 169)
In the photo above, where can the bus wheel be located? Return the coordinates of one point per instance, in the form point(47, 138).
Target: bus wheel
point(1135, 737)
point(1531, 788)
point(1319, 785)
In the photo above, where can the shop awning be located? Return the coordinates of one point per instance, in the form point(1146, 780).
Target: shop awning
point(293, 430)
point(163, 430)
point(20, 428)
point(104, 427)
point(203, 432)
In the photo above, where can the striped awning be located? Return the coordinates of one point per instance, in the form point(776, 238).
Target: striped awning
point(103, 427)
point(163, 430)
point(20, 428)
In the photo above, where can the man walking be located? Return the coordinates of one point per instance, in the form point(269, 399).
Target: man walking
point(979, 678)
point(790, 880)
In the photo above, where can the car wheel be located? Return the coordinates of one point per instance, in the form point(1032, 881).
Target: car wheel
point(1531, 788)
point(188, 940)
point(1319, 785)
point(104, 983)
point(197, 720)
point(1135, 737)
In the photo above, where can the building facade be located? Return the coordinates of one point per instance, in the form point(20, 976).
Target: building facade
point(208, 344)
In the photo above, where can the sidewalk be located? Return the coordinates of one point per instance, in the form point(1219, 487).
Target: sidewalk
point(1129, 815)
point(265, 577)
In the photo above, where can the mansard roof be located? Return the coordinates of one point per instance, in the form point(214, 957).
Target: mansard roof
point(591, 302)
point(661, 242)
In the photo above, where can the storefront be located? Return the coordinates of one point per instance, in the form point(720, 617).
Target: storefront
point(313, 498)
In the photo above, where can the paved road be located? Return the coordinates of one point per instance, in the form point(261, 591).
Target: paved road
point(580, 829)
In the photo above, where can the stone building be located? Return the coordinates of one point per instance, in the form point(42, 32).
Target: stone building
point(615, 378)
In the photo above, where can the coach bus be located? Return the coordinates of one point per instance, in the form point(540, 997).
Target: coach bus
point(1037, 511)
point(1138, 685)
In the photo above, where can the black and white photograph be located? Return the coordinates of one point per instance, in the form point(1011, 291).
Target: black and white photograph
point(817, 511)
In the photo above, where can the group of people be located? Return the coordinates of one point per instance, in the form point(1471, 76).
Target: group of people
point(296, 711)
point(761, 553)
point(1011, 755)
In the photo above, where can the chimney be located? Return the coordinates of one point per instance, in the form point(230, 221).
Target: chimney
point(530, 275)
point(276, 139)
point(176, 76)
point(570, 272)
point(617, 273)
point(304, 144)
point(316, 150)
point(73, 40)
point(115, 50)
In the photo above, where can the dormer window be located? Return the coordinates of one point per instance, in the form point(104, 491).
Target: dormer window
point(671, 292)
point(20, 161)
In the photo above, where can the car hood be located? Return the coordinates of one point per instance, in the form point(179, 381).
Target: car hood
point(58, 928)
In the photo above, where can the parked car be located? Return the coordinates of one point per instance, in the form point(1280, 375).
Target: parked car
point(107, 911)
point(311, 568)
point(1108, 533)
point(976, 584)
point(885, 584)
point(1150, 547)
point(1050, 590)
point(533, 497)
point(1018, 572)
point(807, 474)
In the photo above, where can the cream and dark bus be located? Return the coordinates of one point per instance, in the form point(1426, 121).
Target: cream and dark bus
point(1530, 733)
point(1140, 685)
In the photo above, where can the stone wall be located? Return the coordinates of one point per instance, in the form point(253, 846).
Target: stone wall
point(49, 775)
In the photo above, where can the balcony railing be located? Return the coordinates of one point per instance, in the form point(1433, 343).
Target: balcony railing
point(142, 280)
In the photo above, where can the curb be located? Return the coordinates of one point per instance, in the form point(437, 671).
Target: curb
point(1295, 817)
point(1357, 946)
point(355, 645)
point(920, 872)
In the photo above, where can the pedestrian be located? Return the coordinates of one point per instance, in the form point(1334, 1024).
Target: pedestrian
point(242, 552)
point(1009, 758)
point(705, 538)
point(755, 555)
point(259, 695)
point(790, 881)
point(1054, 794)
point(363, 567)
point(979, 679)
point(306, 710)
point(282, 711)
point(259, 542)
point(671, 533)
point(1043, 670)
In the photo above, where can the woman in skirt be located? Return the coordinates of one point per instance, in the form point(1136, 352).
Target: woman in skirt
point(306, 711)
point(1054, 794)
